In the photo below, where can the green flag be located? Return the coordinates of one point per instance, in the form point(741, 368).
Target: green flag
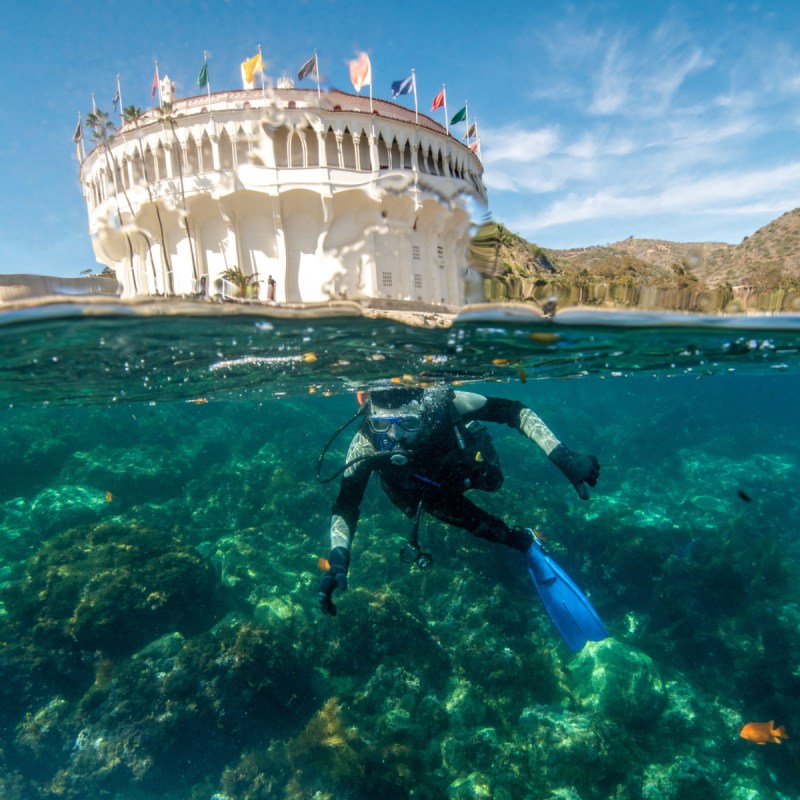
point(460, 116)
point(202, 78)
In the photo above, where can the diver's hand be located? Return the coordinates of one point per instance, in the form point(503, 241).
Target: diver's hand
point(334, 578)
point(579, 468)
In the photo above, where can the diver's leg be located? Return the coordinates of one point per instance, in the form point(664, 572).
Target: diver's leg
point(463, 513)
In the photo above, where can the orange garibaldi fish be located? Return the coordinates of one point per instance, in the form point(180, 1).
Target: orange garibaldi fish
point(763, 732)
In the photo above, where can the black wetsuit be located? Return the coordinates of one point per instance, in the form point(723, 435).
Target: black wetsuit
point(444, 463)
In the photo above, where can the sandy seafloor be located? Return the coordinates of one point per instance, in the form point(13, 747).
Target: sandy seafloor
point(161, 521)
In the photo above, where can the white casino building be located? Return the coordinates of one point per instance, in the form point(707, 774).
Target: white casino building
point(330, 199)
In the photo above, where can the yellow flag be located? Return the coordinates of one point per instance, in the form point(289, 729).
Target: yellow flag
point(251, 66)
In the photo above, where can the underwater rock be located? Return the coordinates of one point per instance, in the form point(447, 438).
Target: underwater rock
point(66, 506)
point(465, 705)
point(682, 778)
point(471, 787)
point(180, 709)
point(562, 746)
point(397, 703)
point(274, 609)
point(374, 627)
point(110, 589)
point(40, 731)
point(167, 646)
point(143, 472)
point(618, 682)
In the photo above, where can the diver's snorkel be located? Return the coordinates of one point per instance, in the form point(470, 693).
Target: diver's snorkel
point(362, 409)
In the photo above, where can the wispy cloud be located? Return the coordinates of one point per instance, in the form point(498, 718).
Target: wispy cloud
point(612, 89)
point(721, 193)
point(519, 144)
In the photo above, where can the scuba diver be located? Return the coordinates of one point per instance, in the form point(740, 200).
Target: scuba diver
point(428, 448)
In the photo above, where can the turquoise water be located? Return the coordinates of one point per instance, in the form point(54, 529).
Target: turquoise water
point(161, 521)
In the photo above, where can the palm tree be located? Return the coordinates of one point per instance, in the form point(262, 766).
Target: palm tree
point(103, 132)
point(244, 283)
point(168, 116)
point(132, 114)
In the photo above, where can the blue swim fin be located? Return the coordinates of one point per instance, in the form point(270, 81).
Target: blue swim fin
point(565, 603)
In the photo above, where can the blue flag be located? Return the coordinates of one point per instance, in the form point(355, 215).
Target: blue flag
point(115, 100)
point(406, 86)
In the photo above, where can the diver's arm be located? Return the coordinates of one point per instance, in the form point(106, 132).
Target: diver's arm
point(471, 405)
point(345, 511)
point(344, 518)
point(577, 467)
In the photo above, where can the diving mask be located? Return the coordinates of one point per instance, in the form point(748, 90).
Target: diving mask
point(411, 423)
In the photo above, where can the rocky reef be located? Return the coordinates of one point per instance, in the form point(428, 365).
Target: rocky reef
point(160, 636)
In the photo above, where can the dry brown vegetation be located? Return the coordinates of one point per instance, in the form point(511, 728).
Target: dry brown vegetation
point(767, 260)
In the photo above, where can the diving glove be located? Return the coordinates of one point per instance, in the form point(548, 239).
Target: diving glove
point(578, 467)
point(334, 578)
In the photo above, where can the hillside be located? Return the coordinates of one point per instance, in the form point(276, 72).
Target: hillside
point(768, 259)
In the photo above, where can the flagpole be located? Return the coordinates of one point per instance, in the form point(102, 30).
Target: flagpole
point(94, 105)
point(446, 115)
point(316, 72)
point(414, 87)
point(79, 143)
point(119, 99)
point(208, 80)
point(370, 86)
point(466, 118)
point(158, 83)
point(263, 90)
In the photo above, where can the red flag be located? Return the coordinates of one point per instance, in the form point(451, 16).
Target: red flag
point(438, 101)
point(155, 84)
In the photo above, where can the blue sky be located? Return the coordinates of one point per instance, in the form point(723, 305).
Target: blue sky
point(598, 121)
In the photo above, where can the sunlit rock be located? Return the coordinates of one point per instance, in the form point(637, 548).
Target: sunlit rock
point(618, 682)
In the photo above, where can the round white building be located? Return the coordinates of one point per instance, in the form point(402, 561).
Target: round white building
point(315, 196)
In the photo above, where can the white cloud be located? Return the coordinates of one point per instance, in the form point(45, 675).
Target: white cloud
point(719, 194)
point(613, 85)
point(518, 144)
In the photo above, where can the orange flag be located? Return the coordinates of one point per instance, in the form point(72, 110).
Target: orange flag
point(361, 72)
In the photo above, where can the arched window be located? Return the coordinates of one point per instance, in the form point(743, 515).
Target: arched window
point(161, 157)
point(364, 159)
point(176, 156)
point(206, 152)
point(312, 148)
point(422, 165)
point(331, 150)
point(395, 155)
point(296, 150)
point(407, 163)
point(126, 179)
point(138, 174)
point(242, 146)
point(348, 150)
point(440, 163)
point(192, 156)
point(150, 164)
point(383, 153)
point(225, 151)
point(280, 145)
